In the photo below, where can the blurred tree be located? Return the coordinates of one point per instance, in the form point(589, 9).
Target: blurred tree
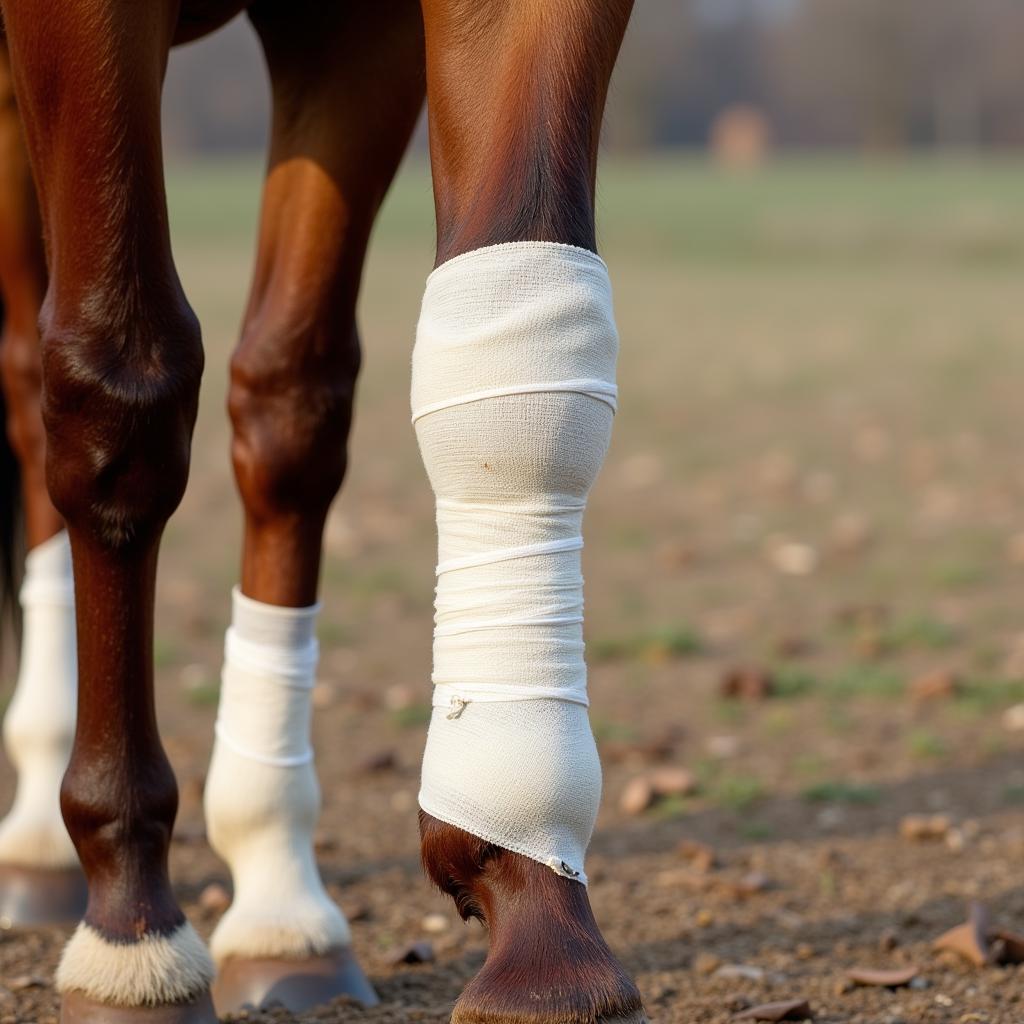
point(880, 74)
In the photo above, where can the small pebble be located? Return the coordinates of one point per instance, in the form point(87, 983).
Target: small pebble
point(420, 952)
point(215, 898)
point(26, 981)
point(706, 963)
point(740, 972)
point(381, 761)
point(794, 559)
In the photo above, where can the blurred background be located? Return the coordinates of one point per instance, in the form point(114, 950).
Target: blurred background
point(805, 555)
point(816, 74)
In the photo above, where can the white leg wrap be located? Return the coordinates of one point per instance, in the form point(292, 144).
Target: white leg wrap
point(262, 798)
point(39, 726)
point(513, 393)
point(157, 969)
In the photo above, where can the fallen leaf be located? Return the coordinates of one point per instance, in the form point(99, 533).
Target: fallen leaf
point(939, 684)
point(746, 683)
point(672, 782)
point(971, 939)
point(790, 1009)
point(922, 828)
point(894, 978)
point(637, 796)
point(701, 857)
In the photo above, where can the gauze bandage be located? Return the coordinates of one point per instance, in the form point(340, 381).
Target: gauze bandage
point(513, 392)
point(262, 797)
point(39, 726)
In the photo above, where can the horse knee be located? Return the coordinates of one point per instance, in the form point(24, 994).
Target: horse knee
point(290, 402)
point(119, 404)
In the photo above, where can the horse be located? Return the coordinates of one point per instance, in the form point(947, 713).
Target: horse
point(512, 398)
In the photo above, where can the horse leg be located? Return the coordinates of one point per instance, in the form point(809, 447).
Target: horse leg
point(122, 358)
point(40, 880)
point(513, 393)
point(341, 121)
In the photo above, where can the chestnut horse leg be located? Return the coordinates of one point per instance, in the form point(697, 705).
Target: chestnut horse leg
point(122, 359)
point(347, 83)
point(515, 95)
point(40, 880)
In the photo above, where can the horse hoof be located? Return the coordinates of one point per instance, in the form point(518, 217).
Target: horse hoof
point(41, 896)
point(298, 985)
point(77, 1008)
point(546, 960)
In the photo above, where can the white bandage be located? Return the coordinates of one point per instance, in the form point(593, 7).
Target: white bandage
point(513, 393)
point(262, 797)
point(39, 726)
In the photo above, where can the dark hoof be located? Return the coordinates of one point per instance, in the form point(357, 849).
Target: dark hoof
point(546, 960)
point(77, 1008)
point(297, 985)
point(41, 896)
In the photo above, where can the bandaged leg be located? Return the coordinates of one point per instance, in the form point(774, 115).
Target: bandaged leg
point(262, 798)
point(513, 395)
point(39, 726)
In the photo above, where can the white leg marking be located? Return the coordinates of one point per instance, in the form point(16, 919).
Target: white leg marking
point(157, 969)
point(39, 726)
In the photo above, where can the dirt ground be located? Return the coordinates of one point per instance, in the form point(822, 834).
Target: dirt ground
point(816, 475)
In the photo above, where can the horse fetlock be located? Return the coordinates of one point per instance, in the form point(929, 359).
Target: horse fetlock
point(122, 836)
